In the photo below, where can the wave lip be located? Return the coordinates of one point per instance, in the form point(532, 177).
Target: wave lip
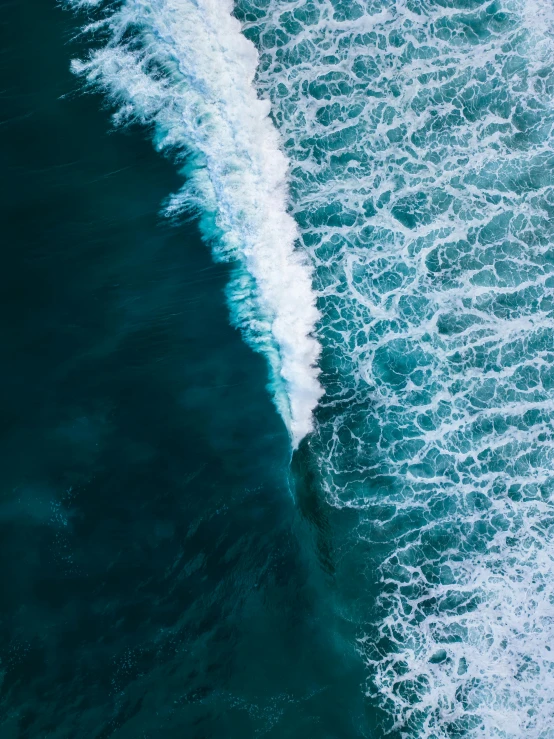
point(184, 68)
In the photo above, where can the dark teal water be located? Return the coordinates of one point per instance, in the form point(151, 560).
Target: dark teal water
point(382, 174)
point(157, 578)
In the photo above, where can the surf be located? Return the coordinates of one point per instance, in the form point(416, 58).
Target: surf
point(420, 136)
point(185, 71)
point(390, 227)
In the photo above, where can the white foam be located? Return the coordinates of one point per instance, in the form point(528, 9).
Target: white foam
point(431, 431)
point(184, 67)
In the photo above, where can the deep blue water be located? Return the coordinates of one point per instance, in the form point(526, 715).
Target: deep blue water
point(157, 579)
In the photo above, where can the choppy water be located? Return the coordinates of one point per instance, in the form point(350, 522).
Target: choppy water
point(418, 140)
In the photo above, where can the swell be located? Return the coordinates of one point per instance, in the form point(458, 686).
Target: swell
point(184, 69)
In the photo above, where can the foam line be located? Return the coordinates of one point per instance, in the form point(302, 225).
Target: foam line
point(184, 68)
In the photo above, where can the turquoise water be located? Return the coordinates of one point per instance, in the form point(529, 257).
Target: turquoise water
point(379, 177)
point(420, 142)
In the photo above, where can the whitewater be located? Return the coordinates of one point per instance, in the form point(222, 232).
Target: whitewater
point(185, 69)
point(380, 173)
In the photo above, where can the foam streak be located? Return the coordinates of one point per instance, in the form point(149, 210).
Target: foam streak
point(184, 68)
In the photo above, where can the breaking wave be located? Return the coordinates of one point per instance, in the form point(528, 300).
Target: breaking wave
point(183, 68)
point(417, 141)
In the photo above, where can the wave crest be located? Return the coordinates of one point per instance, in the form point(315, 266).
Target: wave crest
point(185, 69)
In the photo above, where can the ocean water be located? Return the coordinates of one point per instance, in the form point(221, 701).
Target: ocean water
point(419, 135)
point(156, 579)
point(349, 530)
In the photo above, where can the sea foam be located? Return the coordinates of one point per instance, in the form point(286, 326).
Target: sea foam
point(184, 68)
point(422, 139)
